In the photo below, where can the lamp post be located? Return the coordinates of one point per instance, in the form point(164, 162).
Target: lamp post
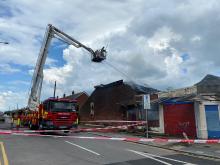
point(2, 42)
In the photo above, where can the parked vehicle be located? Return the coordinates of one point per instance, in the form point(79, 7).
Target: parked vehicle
point(2, 119)
point(54, 113)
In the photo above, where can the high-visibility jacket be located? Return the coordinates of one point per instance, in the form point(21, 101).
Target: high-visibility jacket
point(18, 121)
point(77, 120)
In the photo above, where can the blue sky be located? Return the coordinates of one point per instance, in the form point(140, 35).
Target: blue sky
point(22, 74)
point(154, 43)
point(56, 52)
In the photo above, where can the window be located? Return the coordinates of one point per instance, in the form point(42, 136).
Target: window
point(45, 106)
point(62, 107)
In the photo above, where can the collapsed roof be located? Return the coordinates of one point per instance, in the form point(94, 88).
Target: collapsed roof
point(76, 95)
point(139, 89)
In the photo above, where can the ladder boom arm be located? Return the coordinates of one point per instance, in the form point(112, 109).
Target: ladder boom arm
point(37, 80)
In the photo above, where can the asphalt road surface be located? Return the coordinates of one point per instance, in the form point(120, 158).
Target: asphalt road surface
point(23, 150)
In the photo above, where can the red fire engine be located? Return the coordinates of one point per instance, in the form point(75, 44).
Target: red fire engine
point(54, 113)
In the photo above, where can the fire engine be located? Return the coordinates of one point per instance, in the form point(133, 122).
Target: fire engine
point(54, 113)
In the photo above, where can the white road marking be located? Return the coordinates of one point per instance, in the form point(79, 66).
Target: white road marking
point(175, 160)
point(83, 148)
point(199, 152)
point(152, 155)
point(218, 151)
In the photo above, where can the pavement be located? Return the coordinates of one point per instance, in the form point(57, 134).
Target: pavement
point(23, 150)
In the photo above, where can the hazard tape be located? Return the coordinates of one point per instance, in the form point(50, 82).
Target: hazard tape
point(109, 128)
point(112, 121)
point(131, 139)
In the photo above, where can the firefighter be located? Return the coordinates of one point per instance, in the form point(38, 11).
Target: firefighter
point(77, 122)
point(22, 119)
point(12, 120)
point(92, 112)
point(18, 123)
point(77, 117)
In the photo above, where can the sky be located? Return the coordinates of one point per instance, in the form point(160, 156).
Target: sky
point(163, 44)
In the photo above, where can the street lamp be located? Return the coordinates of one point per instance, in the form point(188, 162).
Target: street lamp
point(6, 43)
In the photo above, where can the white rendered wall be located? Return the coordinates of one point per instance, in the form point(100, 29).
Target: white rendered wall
point(161, 119)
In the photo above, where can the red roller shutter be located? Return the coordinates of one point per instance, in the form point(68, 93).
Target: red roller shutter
point(179, 118)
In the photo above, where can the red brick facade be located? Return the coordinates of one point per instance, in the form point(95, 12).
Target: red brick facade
point(111, 102)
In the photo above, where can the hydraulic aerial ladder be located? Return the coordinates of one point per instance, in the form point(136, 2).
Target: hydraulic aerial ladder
point(51, 32)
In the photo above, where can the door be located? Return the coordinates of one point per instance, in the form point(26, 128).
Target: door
point(179, 118)
point(213, 121)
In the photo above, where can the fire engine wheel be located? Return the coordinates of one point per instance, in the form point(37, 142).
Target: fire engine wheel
point(66, 132)
point(32, 127)
point(41, 126)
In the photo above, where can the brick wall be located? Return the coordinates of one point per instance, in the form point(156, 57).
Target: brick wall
point(108, 103)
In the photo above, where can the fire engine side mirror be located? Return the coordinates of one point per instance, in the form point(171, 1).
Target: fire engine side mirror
point(77, 108)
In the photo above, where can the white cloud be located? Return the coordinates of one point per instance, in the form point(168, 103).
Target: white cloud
point(173, 64)
point(2, 103)
point(10, 99)
point(162, 38)
point(135, 30)
point(7, 69)
point(58, 74)
point(196, 38)
point(16, 82)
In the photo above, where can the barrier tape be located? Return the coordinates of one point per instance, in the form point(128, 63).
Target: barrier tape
point(111, 127)
point(112, 121)
point(73, 130)
point(132, 139)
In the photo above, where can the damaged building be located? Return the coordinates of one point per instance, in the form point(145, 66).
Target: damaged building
point(193, 110)
point(117, 101)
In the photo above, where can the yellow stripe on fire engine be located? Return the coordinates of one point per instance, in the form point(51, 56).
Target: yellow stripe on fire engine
point(45, 114)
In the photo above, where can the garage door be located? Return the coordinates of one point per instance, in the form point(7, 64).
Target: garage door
point(213, 121)
point(179, 118)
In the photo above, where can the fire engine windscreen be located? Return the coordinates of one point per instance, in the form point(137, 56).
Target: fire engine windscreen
point(62, 107)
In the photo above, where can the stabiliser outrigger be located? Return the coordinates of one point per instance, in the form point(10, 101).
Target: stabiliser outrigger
point(54, 113)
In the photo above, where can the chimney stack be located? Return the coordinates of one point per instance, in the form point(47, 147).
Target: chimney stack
point(72, 92)
point(64, 95)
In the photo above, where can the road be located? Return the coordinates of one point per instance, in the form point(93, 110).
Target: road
point(22, 150)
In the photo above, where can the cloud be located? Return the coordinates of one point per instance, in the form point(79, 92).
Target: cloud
point(196, 38)
point(161, 39)
point(10, 100)
point(150, 50)
point(172, 64)
point(21, 82)
point(7, 69)
point(58, 74)
point(147, 42)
